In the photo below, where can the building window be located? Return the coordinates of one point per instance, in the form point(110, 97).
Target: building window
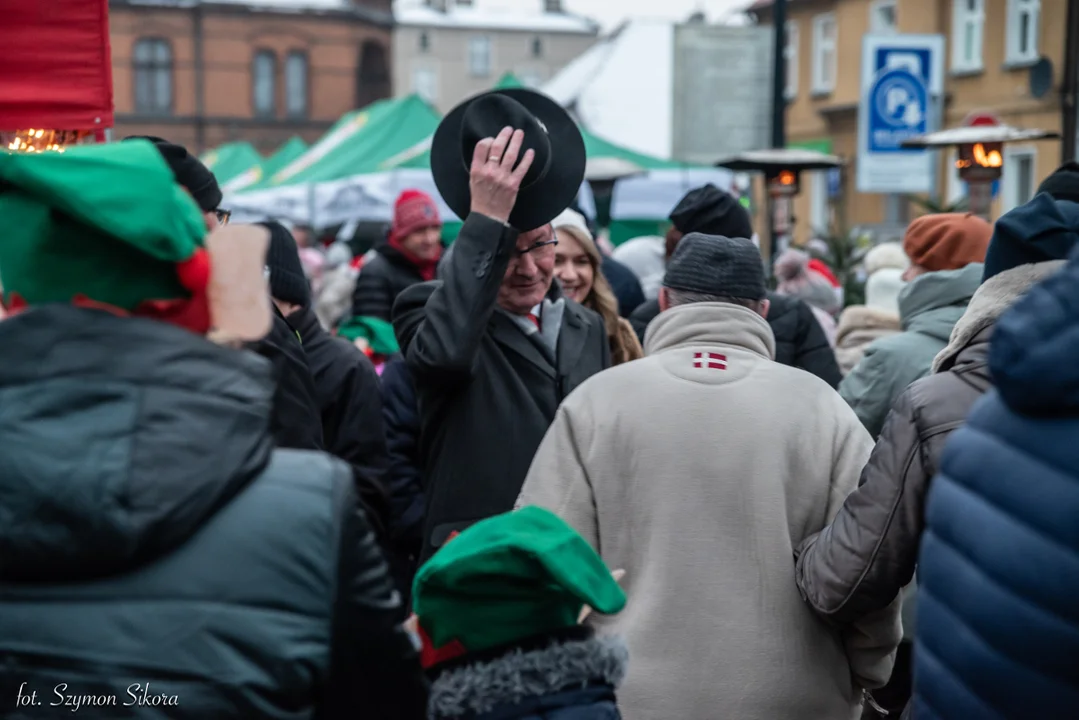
point(296, 84)
point(882, 17)
point(968, 26)
point(425, 42)
point(1022, 28)
point(537, 47)
point(1020, 172)
point(479, 57)
point(790, 54)
point(425, 84)
point(264, 77)
point(373, 74)
point(824, 53)
point(153, 76)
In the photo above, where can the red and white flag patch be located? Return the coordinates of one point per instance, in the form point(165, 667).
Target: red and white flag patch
point(710, 360)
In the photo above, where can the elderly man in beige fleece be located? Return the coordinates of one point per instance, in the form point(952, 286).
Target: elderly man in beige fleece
point(698, 470)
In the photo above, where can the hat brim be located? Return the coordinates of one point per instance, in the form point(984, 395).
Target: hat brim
point(537, 204)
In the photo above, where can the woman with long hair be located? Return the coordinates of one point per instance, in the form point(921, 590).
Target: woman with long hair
point(577, 267)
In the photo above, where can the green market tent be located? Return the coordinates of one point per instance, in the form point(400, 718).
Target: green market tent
point(231, 160)
point(293, 148)
point(359, 143)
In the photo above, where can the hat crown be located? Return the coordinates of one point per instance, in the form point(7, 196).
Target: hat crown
point(488, 114)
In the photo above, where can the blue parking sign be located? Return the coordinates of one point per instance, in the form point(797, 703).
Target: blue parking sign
point(901, 88)
point(898, 110)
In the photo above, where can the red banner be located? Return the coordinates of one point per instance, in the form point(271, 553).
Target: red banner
point(57, 71)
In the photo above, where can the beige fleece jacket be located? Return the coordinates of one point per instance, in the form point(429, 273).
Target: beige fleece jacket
point(698, 470)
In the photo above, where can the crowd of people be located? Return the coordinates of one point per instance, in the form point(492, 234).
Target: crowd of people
point(248, 475)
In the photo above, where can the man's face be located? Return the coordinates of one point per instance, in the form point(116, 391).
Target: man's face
point(528, 277)
point(426, 244)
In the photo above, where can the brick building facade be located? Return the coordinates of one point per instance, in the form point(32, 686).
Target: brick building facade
point(205, 73)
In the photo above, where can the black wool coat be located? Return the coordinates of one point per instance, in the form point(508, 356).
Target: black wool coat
point(295, 420)
point(487, 391)
point(349, 402)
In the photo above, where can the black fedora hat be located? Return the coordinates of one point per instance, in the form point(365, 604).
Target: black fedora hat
point(557, 171)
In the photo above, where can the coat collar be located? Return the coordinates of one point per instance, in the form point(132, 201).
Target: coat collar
point(571, 337)
point(710, 323)
point(517, 675)
point(996, 295)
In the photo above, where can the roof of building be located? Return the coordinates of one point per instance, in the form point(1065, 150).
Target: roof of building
point(492, 15)
point(621, 88)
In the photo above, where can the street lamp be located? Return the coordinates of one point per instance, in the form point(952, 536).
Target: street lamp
point(782, 168)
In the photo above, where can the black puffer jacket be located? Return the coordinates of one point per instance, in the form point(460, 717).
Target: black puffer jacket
point(152, 540)
point(381, 280)
point(800, 341)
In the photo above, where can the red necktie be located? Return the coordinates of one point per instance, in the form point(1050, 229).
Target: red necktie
point(535, 320)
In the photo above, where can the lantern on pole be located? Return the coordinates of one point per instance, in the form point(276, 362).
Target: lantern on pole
point(980, 153)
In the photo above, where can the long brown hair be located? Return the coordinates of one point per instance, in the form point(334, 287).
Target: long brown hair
point(623, 341)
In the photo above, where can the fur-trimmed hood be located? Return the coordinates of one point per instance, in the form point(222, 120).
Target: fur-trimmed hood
point(519, 675)
point(996, 295)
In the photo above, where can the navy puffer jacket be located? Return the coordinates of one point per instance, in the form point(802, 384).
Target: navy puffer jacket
point(998, 615)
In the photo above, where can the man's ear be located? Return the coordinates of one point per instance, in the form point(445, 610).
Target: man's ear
point(239, 294)
point(764, 306)
point(664, 301)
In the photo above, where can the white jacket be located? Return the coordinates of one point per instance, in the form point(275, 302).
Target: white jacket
point(698, 470)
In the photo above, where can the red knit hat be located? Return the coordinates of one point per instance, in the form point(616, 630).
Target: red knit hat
point(414, 210)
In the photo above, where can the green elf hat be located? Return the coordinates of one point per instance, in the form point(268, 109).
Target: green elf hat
point(509, 577)
point(378, 334)
point(102, 225)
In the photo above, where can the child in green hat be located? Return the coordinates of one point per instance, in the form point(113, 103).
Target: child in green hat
point(498, 612)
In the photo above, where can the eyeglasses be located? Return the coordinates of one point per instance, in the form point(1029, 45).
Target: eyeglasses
point(223, 216)
point(534, 246)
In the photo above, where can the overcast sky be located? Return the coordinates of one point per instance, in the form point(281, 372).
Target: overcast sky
point(611, 12)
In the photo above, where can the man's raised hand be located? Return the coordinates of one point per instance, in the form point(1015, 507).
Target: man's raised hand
point(496, 175)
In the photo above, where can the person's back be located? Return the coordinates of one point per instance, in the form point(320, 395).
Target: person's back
point(157, 555)
point(1000, 539)
point(151, 535)
point(699, 475)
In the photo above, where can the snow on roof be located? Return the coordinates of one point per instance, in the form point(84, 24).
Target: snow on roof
point(621, 89)
point(492, 16)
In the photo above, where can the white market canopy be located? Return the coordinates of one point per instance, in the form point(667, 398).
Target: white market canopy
point(979, 134)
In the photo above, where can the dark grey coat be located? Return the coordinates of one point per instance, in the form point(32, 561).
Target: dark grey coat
point(150, 535)
point(487, 391)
